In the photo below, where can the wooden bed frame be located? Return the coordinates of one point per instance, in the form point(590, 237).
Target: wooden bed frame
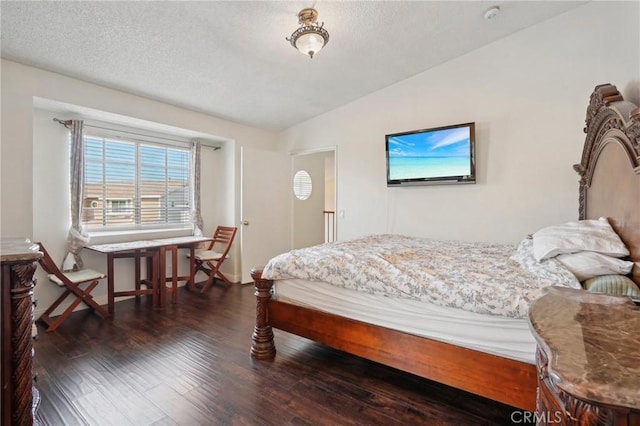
point(609, 186)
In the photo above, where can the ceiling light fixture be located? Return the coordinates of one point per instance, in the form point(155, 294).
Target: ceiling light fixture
point(310, 37)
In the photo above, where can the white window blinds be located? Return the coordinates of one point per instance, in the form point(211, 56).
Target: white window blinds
point(131, 184)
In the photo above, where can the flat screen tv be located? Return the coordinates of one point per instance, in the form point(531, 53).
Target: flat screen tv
point(440, 155)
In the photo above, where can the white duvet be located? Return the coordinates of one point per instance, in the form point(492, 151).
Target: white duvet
point(486, 278)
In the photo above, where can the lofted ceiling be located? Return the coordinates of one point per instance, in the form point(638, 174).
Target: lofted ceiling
point(230, 59)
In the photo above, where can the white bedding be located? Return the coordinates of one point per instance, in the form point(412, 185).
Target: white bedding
point(502, 336)
point(484, 278)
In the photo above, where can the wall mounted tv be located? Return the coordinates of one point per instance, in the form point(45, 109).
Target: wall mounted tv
point(441, 155)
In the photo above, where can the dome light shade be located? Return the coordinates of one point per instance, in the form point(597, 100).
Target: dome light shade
point(310, 37)
point(309, 43)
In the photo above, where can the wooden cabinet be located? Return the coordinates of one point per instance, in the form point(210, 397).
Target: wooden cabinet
point(19, 397)
point(587, 359)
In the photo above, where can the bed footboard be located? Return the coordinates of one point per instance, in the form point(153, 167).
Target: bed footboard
point(262, 346)
point(500, 379)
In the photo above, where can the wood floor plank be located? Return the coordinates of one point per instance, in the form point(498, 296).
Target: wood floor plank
point(114, 387)
point(189, 364)
point(56, 408)
point(177, 407)
point(99, 410)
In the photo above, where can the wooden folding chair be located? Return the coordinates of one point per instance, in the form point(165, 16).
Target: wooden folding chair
point(71, 282)
point(210, 260)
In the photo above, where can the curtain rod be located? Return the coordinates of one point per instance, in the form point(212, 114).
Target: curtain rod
point(66, 123)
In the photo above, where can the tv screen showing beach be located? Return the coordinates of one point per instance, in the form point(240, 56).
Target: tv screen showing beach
point(443, 153)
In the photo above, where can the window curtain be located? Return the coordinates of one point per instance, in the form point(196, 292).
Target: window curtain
point(196, 215)
point(76, 238)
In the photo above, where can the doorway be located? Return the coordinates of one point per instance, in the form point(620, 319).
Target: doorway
point(314, 197)
point(268, 226)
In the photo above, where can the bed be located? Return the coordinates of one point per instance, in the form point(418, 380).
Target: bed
point(609, 187)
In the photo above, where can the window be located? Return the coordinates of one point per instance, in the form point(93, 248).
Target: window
point(132, 185)
point(302, 185)
point(120, 205)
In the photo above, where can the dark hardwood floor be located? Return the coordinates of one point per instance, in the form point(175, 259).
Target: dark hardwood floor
point(189, 364)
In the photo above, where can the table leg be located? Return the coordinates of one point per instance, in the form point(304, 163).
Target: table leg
point(157, 266)
point(192, 267)
point(174, 274)
point(110, 289)
point(137, 275)
point(162, 279)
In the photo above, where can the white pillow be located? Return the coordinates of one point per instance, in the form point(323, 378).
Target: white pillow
point(588, 264)
point(585, 235)
point(550, 269)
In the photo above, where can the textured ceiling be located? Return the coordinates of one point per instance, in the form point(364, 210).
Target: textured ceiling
point(231, 59)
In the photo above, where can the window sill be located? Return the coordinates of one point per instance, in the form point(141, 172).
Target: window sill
point(109, 237)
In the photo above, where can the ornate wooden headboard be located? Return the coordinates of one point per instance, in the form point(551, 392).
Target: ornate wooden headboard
point(610, 167)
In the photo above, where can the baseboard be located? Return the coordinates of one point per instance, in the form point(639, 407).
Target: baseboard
point(103, 300)
point(234, 278)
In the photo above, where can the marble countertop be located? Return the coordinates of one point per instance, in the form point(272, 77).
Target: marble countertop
point(592, 342)
point(15, 249)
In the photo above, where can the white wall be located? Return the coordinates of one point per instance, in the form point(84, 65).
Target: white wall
point(330, 181)
point(308, 217)
point(33, 152)
point(528, 95)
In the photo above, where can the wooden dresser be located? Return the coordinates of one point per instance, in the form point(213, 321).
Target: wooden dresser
point(588, 358)
point(19, 397)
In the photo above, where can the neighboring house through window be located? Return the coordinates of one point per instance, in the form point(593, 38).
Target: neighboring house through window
point(133, 184)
